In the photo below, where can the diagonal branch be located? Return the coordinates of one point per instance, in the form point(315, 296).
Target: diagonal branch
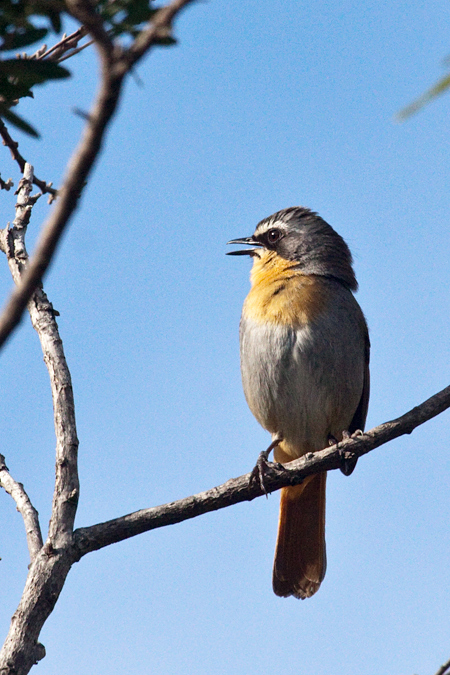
point(238, 490)
point(79, 168)
point(444, 669)
point(25, 507)
point(84, 12)
point(17, 157)
point(58, 51)
point(114, 68)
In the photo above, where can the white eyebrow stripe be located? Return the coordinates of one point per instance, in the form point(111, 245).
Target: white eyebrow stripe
point(269, 225)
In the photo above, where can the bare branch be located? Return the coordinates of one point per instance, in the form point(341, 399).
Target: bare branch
point(443, 670)
point(45, 581)
point(67, 43)
point(84, 12)
point(6, 185)
point(76, 51)
point(42, 314)
point(17, 157)
point(79, 168)
point(52, 562)
point(238, 490)
point(25, 507)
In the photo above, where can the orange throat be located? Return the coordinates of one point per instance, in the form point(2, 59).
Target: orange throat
point(281, 294)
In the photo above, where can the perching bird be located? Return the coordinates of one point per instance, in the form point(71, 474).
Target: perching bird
point(305, 370)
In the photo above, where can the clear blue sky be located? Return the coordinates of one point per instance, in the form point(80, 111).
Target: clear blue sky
point(261, 106)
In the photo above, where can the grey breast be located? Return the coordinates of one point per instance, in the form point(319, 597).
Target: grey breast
point(306, 382)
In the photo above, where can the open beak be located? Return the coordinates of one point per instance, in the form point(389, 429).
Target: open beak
point(248, 241)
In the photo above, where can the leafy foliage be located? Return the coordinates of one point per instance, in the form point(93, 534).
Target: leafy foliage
point(128, 17)
point(25, 22)
point(17, 76)
point(125, 16)
point(21, 21)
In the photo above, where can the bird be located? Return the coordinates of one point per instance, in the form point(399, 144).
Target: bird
point(304, 347)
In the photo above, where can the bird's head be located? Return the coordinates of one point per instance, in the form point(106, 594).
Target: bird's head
point(304, 238)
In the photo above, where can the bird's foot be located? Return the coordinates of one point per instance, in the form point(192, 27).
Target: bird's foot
point(263, 468)
point(348, 459)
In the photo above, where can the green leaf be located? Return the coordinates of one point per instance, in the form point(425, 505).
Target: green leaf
point(166, 41)
point(17, 121)
point(428, 96)
point(32, 71)
point(11, 91)
point(22, 38)
point(126, 16)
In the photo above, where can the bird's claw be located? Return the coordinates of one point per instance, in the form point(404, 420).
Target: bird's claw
point(348, 459)
point(263, 468)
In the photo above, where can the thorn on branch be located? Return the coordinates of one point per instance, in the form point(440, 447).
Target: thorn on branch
point(81, 113)
point(33, 198)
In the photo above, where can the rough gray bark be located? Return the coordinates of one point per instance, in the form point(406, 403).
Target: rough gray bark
point(50, 563)
point(25, 507)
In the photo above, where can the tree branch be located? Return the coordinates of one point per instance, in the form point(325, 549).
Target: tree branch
point(443, 670)
point(84, 12)
point(52, 562)
point(17, 157)
point(42, 314)
point(58, 51)
point(114, 68)
point(25, 507)
point(79, 168)
point(238, 490)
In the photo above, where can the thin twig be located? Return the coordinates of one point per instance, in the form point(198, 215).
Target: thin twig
point(17, 157)
point(239, 489)
point(66, 43)
point(6, 184)
point(25, 507)
point(76, 51)
point(82, 10)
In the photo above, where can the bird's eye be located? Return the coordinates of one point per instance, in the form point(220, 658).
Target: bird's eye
point(273, 236)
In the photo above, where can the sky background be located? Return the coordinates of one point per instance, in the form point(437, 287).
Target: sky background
point(261, 106)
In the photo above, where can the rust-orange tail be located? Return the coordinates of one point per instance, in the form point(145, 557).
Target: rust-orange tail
point(300, 555)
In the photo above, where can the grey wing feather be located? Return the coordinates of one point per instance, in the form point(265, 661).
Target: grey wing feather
point(359, 418)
